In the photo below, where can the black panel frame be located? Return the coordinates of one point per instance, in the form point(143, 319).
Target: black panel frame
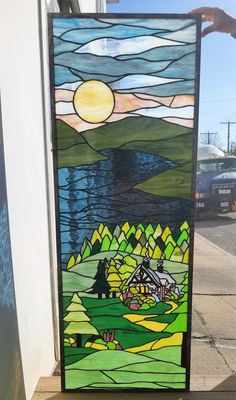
point(187, 336)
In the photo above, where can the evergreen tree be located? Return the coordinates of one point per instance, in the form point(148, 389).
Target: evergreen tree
point(96, 247)
point(79, 322)
point(101, 285)
point(71, 262)
point(115, 282)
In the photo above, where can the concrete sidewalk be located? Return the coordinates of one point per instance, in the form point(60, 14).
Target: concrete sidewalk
point(214, 318)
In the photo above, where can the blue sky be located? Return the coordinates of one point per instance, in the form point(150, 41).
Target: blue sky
point(218, 62)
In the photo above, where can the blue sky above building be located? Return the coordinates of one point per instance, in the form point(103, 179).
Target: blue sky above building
point(218, 63)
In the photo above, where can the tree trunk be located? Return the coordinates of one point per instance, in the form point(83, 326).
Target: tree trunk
point(99, 295)
point(79, 340)
point(113, 295)
point(107, 295)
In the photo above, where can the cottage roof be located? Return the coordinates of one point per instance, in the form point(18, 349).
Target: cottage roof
point(164, 276)
point(159, 278)
point(149, 272)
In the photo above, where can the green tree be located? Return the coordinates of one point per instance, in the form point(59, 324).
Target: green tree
point(101, 285)
point(71, 262)
point(78, 321)
point(113, 278)
point(233, 149)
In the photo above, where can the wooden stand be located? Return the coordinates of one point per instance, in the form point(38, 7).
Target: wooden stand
point(204, 388)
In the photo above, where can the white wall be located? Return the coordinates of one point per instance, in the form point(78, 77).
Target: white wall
point(24, 85)
point(87, 5)
point(92, 6)
point(23, 129)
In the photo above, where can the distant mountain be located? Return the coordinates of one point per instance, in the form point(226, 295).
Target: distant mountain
point(127, 133)
point(130, 130)
point(72, 148)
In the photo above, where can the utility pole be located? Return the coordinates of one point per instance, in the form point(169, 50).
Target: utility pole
point(209, 134)
point(229, 123)
point(69, 5)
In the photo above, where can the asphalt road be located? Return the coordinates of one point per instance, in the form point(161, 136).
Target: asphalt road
point(220, 230)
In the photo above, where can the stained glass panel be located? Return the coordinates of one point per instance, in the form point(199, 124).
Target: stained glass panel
point(125, 100)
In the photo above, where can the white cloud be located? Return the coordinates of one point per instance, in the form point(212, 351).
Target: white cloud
point(137, 81)
point(116, 47)
point(164, 112)
point(64, 108)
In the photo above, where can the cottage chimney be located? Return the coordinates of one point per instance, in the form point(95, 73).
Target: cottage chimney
point(146, 262)
point(160, 266)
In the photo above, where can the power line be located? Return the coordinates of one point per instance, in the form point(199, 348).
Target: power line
point(209, 134)
point(217, 100)
point(225, 117)
point(229, 123)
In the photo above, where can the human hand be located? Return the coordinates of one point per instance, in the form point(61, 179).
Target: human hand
point(221, 22)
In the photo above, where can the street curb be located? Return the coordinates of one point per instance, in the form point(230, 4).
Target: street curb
point(213, 246)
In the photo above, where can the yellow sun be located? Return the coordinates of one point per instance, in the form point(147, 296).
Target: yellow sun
point(94, 101)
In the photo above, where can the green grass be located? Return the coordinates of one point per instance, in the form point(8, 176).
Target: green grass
point(166, 318)
point(118, 369)
point(73, 282)
point(132, 338)
point(178, 325)
point(157, 367)
point(77, 357)
point(136, 385)
point(108, 360)
point(128, 377)
point(79, 379)
point(183, 308)
point(115, 307)
point(73, 354)
point(176, 182)
point(117, 323)
point(108, 314)
point(140, 385)
point(171, 354)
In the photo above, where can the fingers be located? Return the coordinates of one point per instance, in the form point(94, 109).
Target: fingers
point(206, 18)
point(208, 29)
point(208, 15)
point(203, 10)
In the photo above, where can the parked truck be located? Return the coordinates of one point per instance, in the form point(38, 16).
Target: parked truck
point(215, 182)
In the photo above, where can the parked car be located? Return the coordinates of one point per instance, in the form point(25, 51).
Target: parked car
point(216, 185)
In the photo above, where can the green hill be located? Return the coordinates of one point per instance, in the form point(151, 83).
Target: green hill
point(176, 182)
point(123, 369)
point(132, 129)
point(132, 133)
point(73, 149)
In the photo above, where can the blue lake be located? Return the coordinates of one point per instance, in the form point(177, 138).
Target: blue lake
point(104, 192)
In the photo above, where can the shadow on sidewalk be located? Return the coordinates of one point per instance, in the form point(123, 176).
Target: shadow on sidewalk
point(228, 385)
point(157, 396)
point(211, 221)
